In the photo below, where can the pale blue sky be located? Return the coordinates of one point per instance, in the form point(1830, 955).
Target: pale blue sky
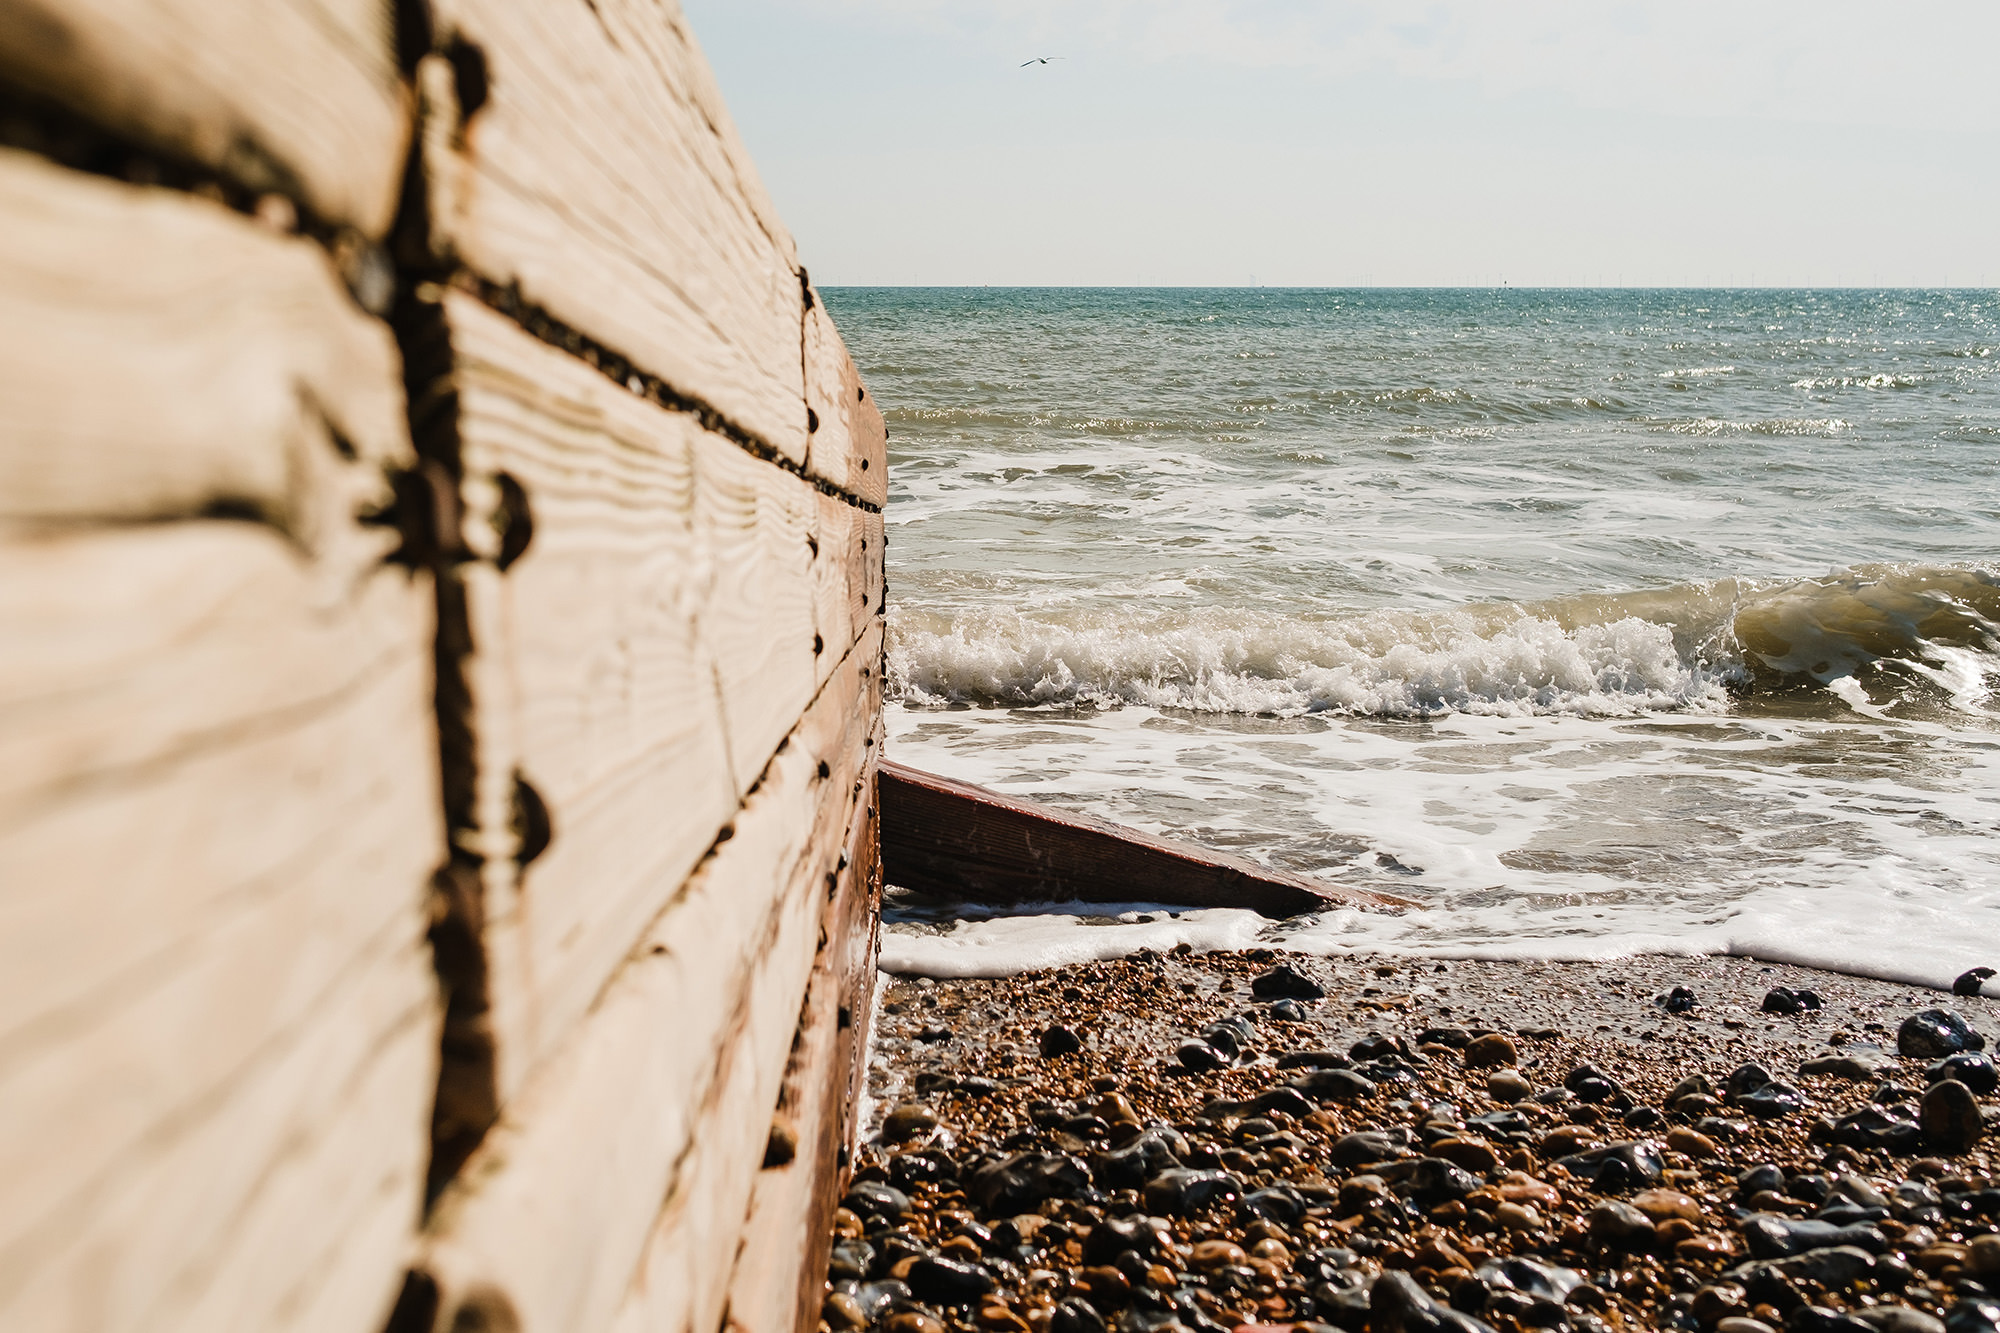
point(1774, 142)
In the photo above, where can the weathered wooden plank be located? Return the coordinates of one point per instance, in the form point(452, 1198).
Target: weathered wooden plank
point(302, 97)
point(849, 447)
point(218, 776)
point(550, 1216)
point(683, 1280)
point(602, 179)
point(636, 663)
point(953, 838)
point(220, 820)
point(164, 357)
point(780, 1271)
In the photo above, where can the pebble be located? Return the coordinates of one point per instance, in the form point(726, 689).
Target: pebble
point(1662, 1204)
point(908, 1121)
point(1472, 1154)
point(1283, 982)
point(842, 1311)
point(1972, 981)
point(1972, 1069)
point(1508, 1086)
point(1950, 1118)
point(1692, 1143)
point(1059, 1040)
point(1518, 1217)
point(1742, 1324)
point(1619, 1226)
point(1934, 1033)
point(1491, 1051)
point(912, 1321)
point(1209, 1255)
point(1983, 1254)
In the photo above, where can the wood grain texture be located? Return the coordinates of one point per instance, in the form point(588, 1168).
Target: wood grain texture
point(846, 574)
point(218, 825)
point(163, 357)
point(637, 664)
point(780, 1272)
point(682, 1283)
point(849, 448)
point(603, 179)
point(961, 841)
point(297, 96)
point(675, 1065)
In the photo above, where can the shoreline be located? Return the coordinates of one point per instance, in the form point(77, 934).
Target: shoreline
point(1307, 1219)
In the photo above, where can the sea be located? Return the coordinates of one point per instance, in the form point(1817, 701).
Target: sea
point(1591, 622)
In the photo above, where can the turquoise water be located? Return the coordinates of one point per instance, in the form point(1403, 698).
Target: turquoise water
point(1596, 621)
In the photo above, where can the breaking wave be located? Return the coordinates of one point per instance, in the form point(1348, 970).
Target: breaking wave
point(1688, 647)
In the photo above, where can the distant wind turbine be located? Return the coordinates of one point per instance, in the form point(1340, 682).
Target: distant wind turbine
point(1039, 60)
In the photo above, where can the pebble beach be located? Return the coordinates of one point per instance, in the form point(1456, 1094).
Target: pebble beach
point(1205, 1142)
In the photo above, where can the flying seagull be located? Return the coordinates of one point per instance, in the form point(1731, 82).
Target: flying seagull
point(1039, 60)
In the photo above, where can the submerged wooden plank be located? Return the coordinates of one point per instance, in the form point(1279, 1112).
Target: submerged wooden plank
point(636, 662)
point(302, 97)
point(602, 179)
point(164, 357)
point(673, 1072)
point(849, 448)
point(958, 840)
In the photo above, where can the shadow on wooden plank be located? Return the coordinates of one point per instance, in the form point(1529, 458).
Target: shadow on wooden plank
point(955, 840)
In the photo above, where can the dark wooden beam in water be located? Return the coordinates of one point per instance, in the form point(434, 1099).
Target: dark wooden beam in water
point(956, 840)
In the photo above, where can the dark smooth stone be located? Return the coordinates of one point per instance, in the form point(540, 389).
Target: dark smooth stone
point(948, 1282)
point(1835, 1267)
point(1773, 1237)
point(1289, 1011)
point(1277, 1204)
point(977, 1087)
point(1198, 1056)
point(1286, 983)
point(1593, 1090)
point(1744, 1080)
point(1333, 1085)
point(1313, 1060)
point(1972, 981)
point(872, 1198)
point(1978, 1315)
point(1694, 1085)
point(1545, 1282)
point(1809, 1187)
point(1934, 1033)
point(1874, 1127)
point(1758, 1179)
point(1974, 1070)
point(1644, 1117)
point(1784, 1001)
point(1679, 1000)
point(1059, 1040)
point(1133, 1164)
point(1456, 1038)
point(1397, 1304)
point(1369, 1145)
point(1849, 1067)
point(910, 1169)
point(1023, 1181)
point(1076, 1316)
point(1378, 1046)
point(1773, 1101)
point(1185, 1189)
point(1819, 1319)
point(851, 1259)
point(1899, 1319)
point(1507, 1124)
point(1617, 1165)
point(1433, 1181)
point(1109, 1239)
point(1283, 1098)
point(1950, 1118)
point(878, 1298)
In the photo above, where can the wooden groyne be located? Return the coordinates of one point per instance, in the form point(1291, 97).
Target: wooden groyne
point(441, 586)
